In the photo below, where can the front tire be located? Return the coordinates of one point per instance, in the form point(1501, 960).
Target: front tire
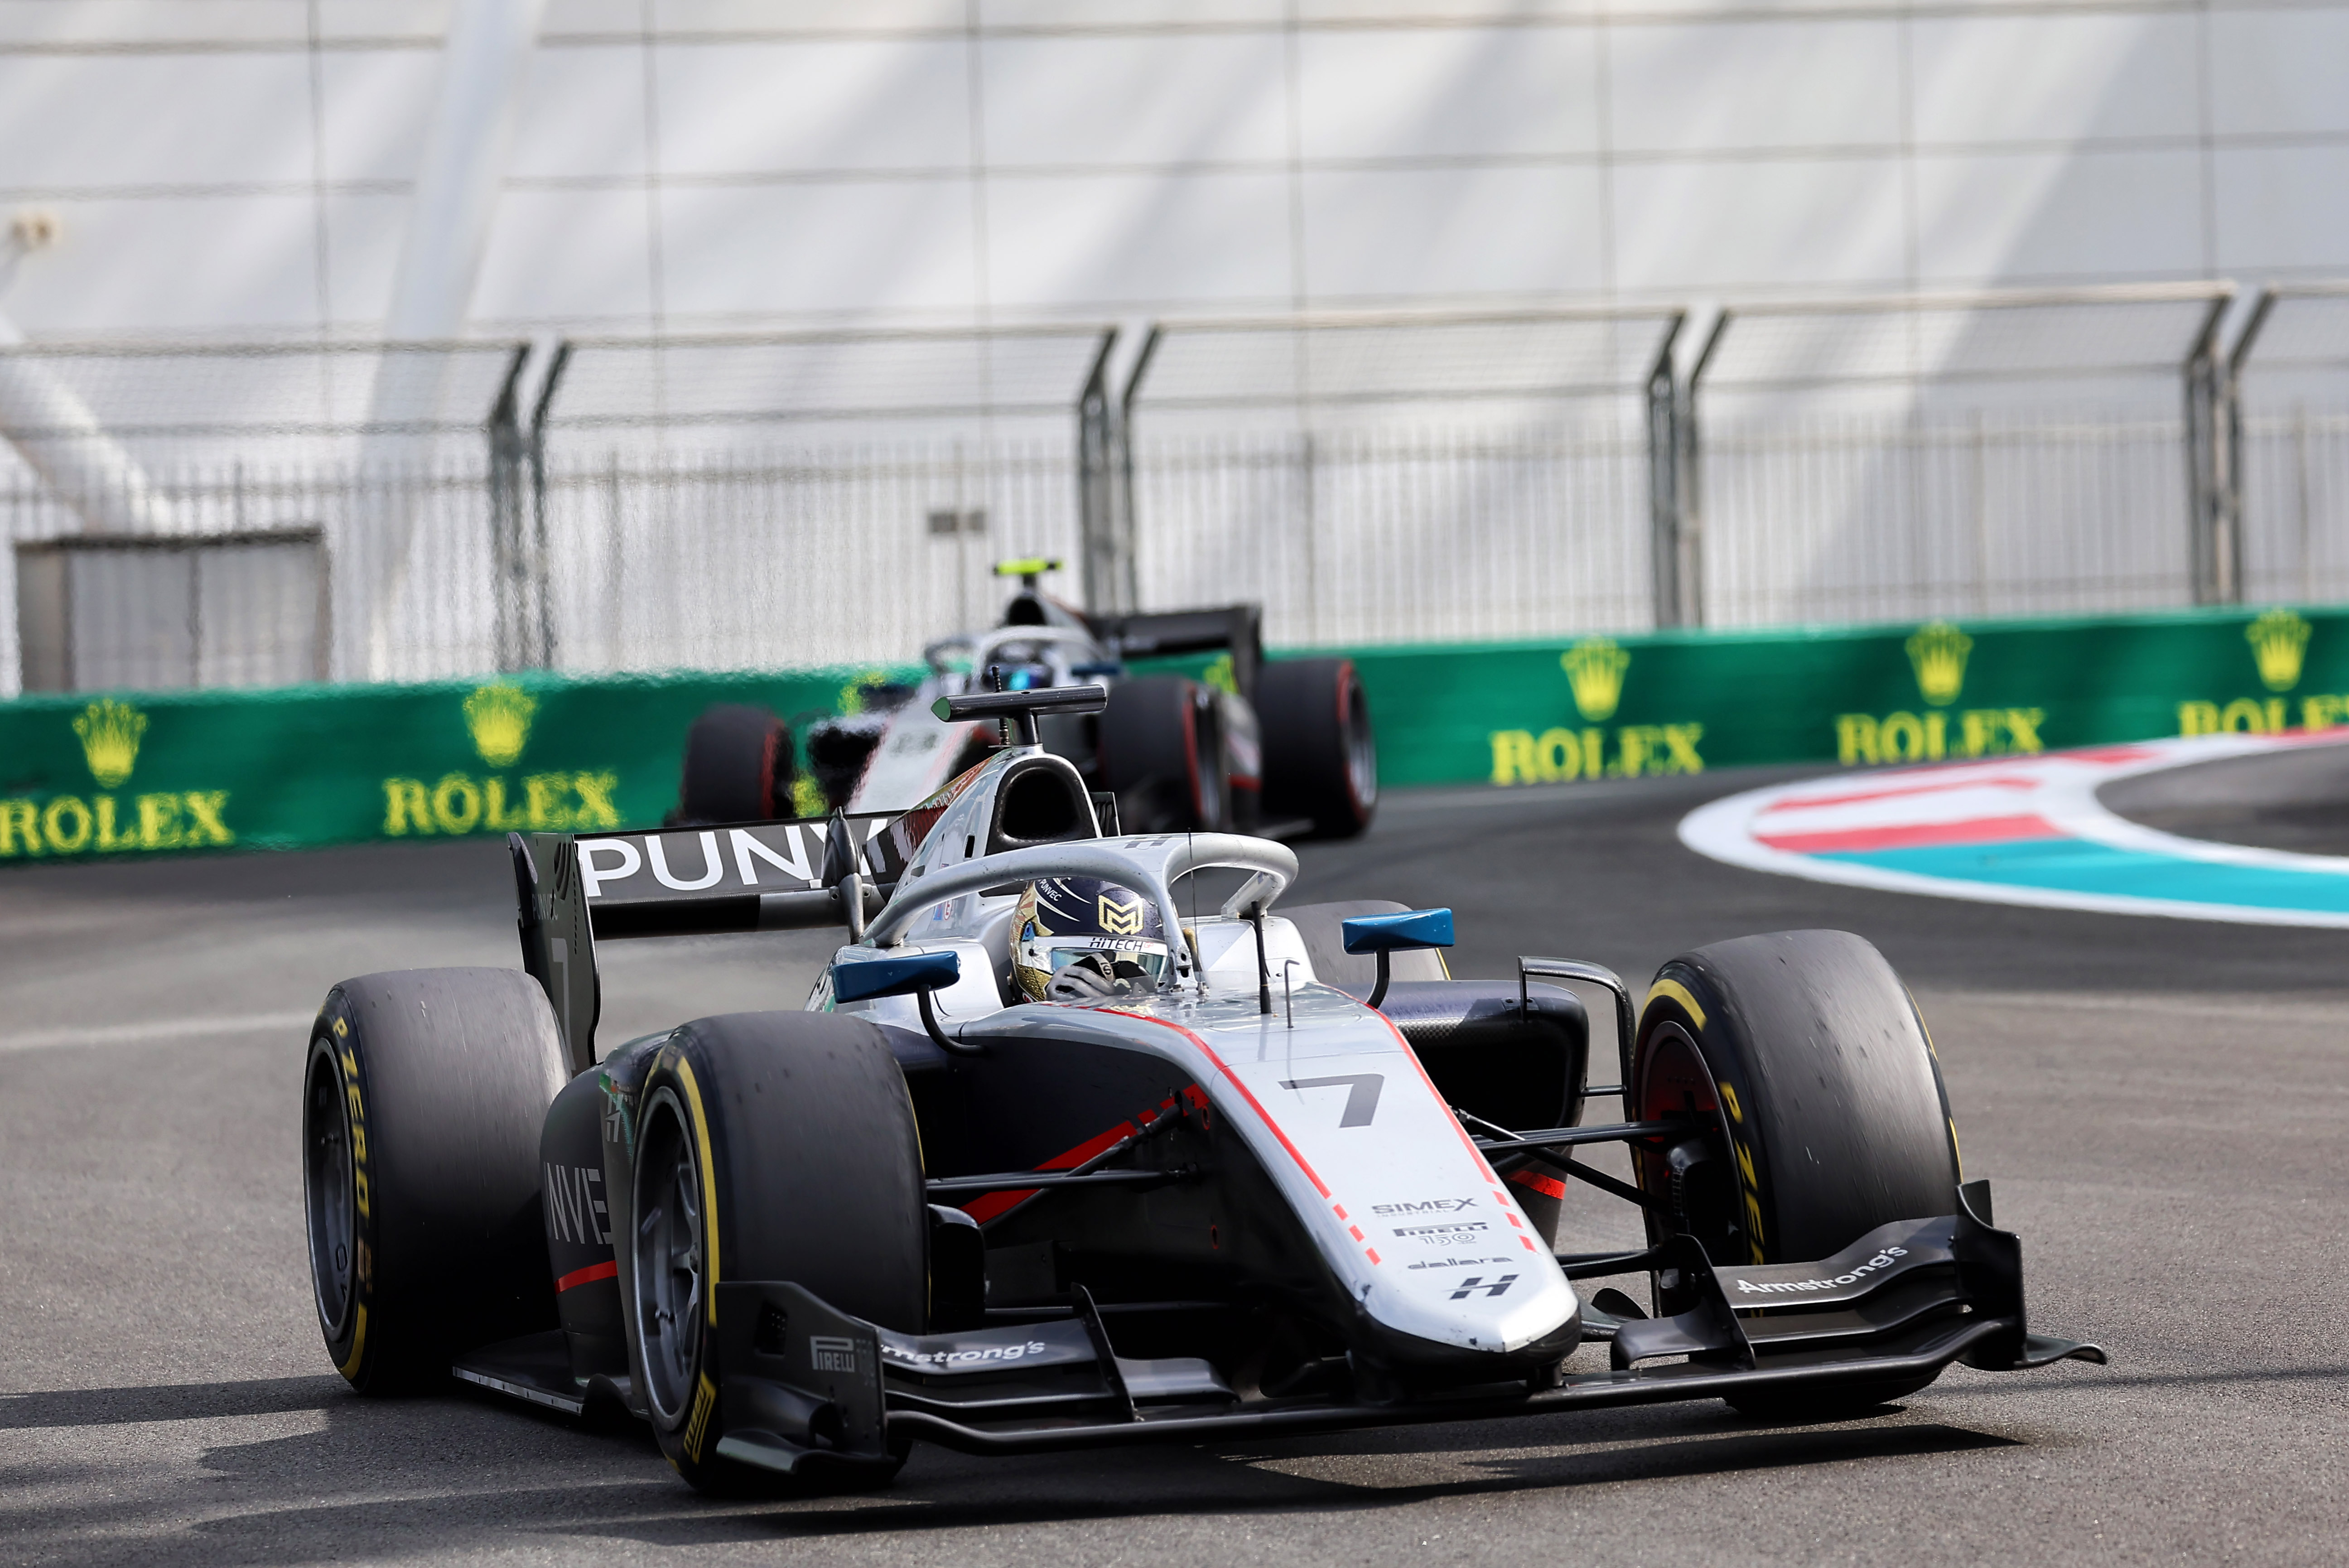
point(772, 1147)
point(423, 1098)
point(1816, 1106)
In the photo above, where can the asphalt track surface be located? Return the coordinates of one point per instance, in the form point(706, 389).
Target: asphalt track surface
point(2297, 801)
point(2161, 1106)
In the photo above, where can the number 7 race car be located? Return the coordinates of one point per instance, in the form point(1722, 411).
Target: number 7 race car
point(1053, 1158)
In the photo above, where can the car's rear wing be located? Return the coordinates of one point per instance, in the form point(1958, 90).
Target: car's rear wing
point(1239, 628)
point(573, 889)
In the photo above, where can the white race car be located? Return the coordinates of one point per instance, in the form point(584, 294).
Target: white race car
point(1283, 745)
point(1060, 1153)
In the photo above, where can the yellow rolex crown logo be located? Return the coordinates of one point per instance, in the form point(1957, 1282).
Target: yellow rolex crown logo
point(109, 732)
point(1939, 650)
point(1594, 668)
point(2279, 638)
point(498, 717)
point(1121, 919)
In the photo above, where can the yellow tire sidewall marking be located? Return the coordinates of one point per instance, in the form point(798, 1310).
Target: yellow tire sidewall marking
point(350, 1366)
point(708, 1184)
point(1679, 994)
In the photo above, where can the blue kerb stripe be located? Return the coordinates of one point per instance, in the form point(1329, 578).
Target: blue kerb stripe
point(2079, 866)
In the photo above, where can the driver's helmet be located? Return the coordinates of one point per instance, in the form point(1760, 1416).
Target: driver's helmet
point(1080, 937)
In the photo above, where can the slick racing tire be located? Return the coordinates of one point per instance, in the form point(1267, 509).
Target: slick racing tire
point(771, 1147)
point(1321, 757)
point(1819, 1107)
point(423, 1098)
point(738, 766)
point(1162, 754)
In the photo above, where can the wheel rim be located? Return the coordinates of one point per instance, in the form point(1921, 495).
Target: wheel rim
point(667, 1261)
point(1675, 1082)
point(327, 1189)
point(1361, 747)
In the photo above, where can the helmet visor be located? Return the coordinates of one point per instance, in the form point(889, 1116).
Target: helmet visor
point(1152, 961)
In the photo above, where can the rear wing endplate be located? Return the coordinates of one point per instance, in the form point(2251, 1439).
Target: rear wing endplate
point(573, 890)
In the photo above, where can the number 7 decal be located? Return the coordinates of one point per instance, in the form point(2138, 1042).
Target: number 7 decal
point(1361, 1097)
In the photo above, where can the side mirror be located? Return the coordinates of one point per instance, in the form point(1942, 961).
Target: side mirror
point(1403, 932)
point(914, 974)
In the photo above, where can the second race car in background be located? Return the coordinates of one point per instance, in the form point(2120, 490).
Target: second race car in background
point(1282, 745)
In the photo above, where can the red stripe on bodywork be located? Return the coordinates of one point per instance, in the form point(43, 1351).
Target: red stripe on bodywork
point(1547, 1186)
point(1412, 1057)
point(587, 1276)
point(1500, 1193)
point(1976, 830)
point(987, 1205)
point(1254, 1104)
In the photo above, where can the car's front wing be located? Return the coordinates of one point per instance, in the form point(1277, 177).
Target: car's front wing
point(808, 1387)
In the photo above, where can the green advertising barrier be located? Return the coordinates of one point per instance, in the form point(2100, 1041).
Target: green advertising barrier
point(88, 776)
point(334, 764)
point(1593, 708)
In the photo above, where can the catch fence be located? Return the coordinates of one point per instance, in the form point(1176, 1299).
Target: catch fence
point(823, 498)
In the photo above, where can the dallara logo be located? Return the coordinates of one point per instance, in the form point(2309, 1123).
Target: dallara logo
point(498, 718)
point(1595, 668)
point(2279, 640)
point(1121, 919)
point(110, 731)
point(1938, 653)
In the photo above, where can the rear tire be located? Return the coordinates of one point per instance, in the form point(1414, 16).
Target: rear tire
point(424, 1096)
point(1821, 1106)
point(738, 766)
point(1320, 756)
point(1162, 754)
point(812, 1174)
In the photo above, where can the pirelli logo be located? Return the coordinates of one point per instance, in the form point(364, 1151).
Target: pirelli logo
point(833, 1354)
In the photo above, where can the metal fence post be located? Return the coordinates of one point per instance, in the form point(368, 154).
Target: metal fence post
point(542, 573)
point(509, 450)
point(2213, 478)
point(2238, 454)
point(1685, 559)
point(1097, 482)
point(1665, 459)
point(1128, 517)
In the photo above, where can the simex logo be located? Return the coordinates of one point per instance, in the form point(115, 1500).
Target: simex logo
point(574, 1206)
point(1433, 1205)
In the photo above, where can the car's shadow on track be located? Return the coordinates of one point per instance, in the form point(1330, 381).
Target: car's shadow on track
point(1262, 1481)
point(449, 1474)
point(170, 1402)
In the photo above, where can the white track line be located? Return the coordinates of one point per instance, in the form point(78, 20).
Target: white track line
point(160, 1029)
